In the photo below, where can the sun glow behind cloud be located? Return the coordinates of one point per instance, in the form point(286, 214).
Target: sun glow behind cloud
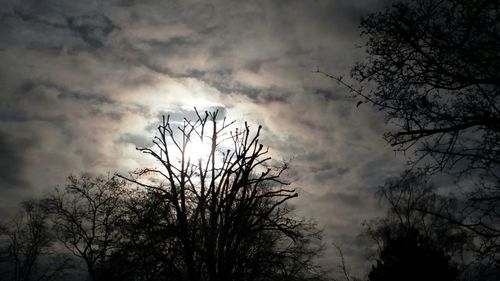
point(83, 99)
point(198, 150)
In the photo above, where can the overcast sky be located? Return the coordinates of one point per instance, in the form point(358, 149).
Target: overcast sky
point(82, 83)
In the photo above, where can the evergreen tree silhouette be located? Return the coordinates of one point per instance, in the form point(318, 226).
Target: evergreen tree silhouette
point(411, 256)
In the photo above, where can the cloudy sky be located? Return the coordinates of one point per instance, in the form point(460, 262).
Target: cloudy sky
point(82, 83)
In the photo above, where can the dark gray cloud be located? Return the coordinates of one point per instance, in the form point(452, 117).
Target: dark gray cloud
point(13, 161)
point(93, 29)
point(86, 83)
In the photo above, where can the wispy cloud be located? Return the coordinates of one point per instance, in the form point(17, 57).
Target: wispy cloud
point(81, 85)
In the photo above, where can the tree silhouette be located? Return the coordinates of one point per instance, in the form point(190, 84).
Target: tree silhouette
point(84, 215)
point(26, 252)
point(411, 199)
point(410, 256)
point(433, 68)
point(222, 214)
point(407, 239)
point(219, 214)
point(416, 206)
point(149, 246)
point(406, 196)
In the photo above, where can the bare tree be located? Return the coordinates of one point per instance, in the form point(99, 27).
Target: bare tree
point(414, 205)
point(149, 245)
point(28, 253)
point(226, 206)
point(433, 67)
point(84, 214)
point(444, 220)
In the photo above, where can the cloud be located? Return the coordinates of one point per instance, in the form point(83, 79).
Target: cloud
point(12, 162)
point(93, 29)
point(86, 83)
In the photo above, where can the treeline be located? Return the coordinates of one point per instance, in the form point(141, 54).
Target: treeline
point(222, 215)
point(433, 68)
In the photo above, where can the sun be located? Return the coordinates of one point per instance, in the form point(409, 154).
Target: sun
point(196, 149)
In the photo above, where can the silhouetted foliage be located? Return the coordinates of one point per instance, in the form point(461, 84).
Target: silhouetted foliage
point(84, 215)
point(415, 205)
point(433, 67)
point(218, 214)
point(407, 239)
point(149, 246)
point(26, 243)
point(408, 255)
point(222, 214)
point(411, 199)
